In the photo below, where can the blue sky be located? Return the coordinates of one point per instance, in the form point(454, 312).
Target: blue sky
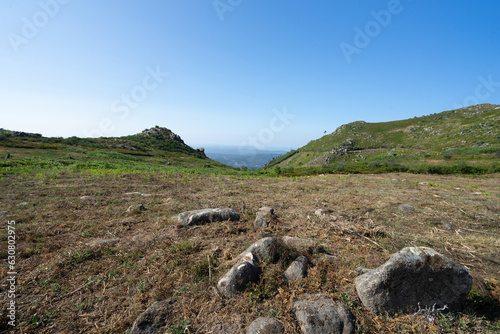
point(265, 74)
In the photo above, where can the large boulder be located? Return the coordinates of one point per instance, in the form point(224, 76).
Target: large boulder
point(199, 217)
point(246, 270)
point(154, 319)
point(414, 275)
point(317, 314)
point(265, 326)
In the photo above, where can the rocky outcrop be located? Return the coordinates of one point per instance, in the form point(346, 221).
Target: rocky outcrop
point(266, 249)
point(414, 275)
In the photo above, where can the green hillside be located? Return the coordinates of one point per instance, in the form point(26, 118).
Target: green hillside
point(153, 149)
point(467, 135)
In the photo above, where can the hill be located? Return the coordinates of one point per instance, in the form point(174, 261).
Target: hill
point(466, 135)
point(153, 148)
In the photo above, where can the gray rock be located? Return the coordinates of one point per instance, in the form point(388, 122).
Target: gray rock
point(304, 245)
point(3, 213)
point(154, 319)
point(265, 326)
point(265, 250)
point(265, 216)
point(23, 204)
point(406, 208)
point(137, 208)
point(414, 275)
point(235, 280)
point(346, 316)
point(103, 242)
point(317, 314)
point(86, 198)
point(297, 270)
point(199, 217)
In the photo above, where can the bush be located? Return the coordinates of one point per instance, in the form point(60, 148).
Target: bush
point(447, 156)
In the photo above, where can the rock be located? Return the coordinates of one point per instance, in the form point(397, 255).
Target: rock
point(23, 204)
point(154, 319)
point(362, 270)
point(86, 198)
point(266, 249)
point(235, 280)
point(199, 217)
point(406, 208)
point(7, 156)
point(317, 314)
point(3, 213)
point(303, 245)
point(133, 193)
point(297, 270)
point(265, 326)
point(103, 242)
point(322, 212)
point(414, 275)
point(265, 216)
point(346, 316)
point(138, 208)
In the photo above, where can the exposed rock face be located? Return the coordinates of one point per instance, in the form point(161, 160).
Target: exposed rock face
point(153, 320)
point(297, 270)
point(317, 314)
point(265, 326)
point(265, 216)
point(199, 217)
point(246, 270)
point(201, 150)
point(411, 276)
point(164, 133)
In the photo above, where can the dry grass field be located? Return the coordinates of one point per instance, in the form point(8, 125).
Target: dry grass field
point(70, 281)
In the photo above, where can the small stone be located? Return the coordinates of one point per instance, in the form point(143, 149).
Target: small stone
point(23, 204)
point(136, 208)
point(236, 280)
point(133, 193)
point(266, 249)
point(303, 245)
point(265, 216)
point(317, 314)
point(154, 319)
point(86, 198)
point(3, 213)
point(199, 217)
point(297, 270)
point(265, 326)
point(406, 208)
point(103, 242)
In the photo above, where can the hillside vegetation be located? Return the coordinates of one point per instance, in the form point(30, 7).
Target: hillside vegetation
point(468, 136)
point(157, 148)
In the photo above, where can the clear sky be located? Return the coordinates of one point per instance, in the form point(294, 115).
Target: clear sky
point(266, 73)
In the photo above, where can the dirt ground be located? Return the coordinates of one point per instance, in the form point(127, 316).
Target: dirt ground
point(86, 265)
